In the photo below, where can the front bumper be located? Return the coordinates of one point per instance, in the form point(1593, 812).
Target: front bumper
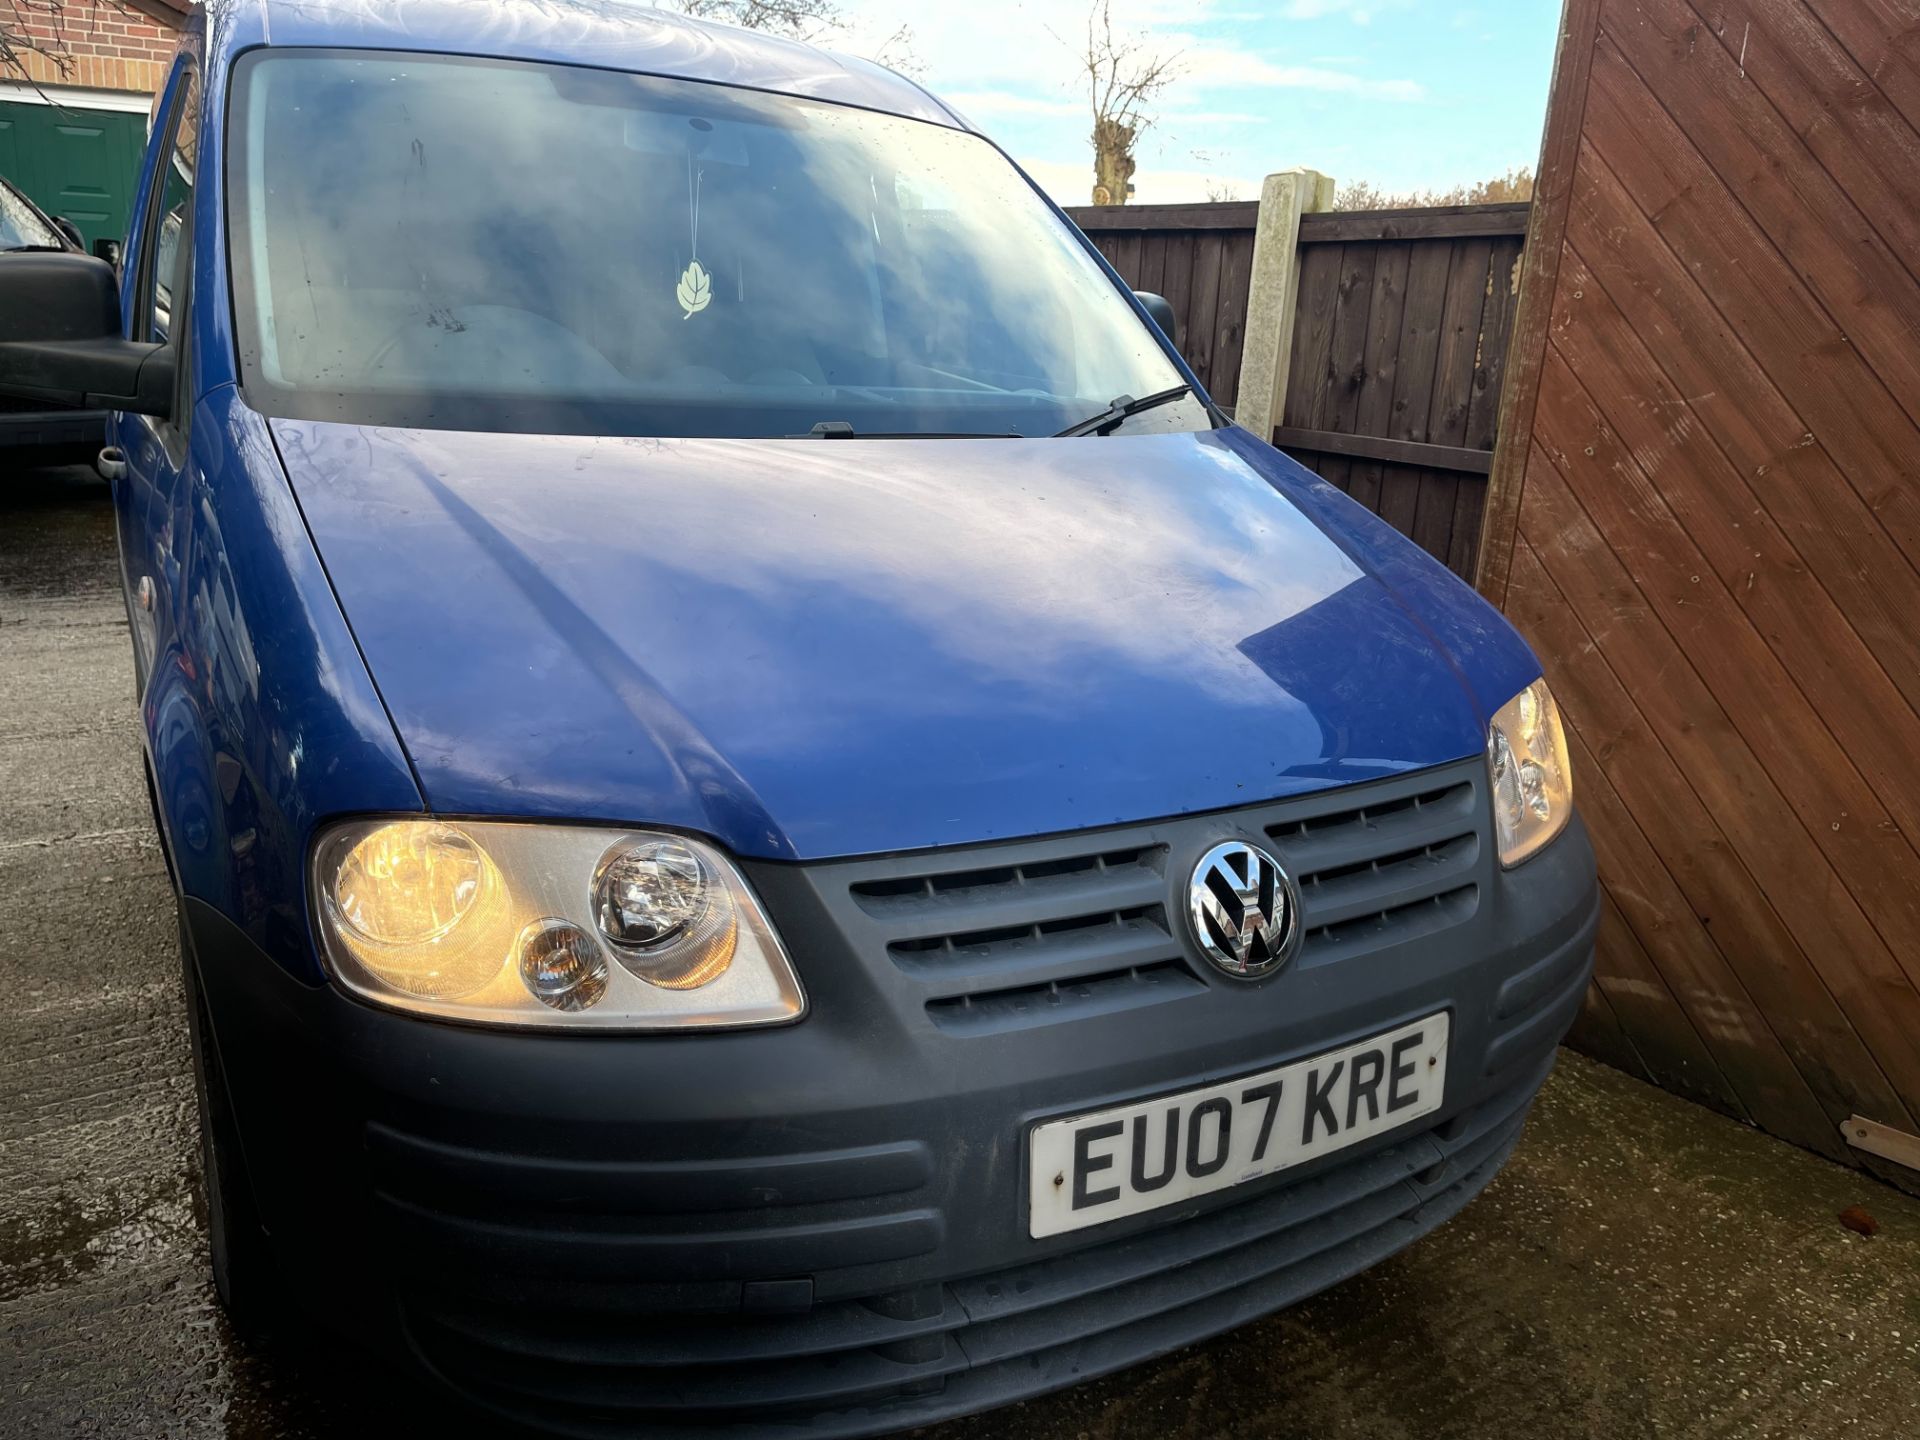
point(822, 1229)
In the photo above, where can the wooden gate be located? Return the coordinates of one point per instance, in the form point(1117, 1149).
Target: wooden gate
point(1706, 515)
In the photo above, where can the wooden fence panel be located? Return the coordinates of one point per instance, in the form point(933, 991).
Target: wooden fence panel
point(1705, 512)
point(1200, 257)
point(1399, 354)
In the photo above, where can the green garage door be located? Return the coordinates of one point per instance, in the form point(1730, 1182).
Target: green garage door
point(82, 164)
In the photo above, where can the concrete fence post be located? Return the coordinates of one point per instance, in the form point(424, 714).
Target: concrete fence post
point(1273, 292)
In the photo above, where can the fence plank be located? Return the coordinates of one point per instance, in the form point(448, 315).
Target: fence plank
point(1496, 326)
point(1446, 222)
point(1459, 342)
point(1378, 447)
point(1546, 225)
point(1230, 318)
point(1200, 337)
point(1347, 358)
point(1176, 281)
point(1221, 215)
point(1871, 31)
point(1427, 271)
point(1380, 370)
point(1313, 337)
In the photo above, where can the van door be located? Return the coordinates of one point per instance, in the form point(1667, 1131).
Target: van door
point(152, 449)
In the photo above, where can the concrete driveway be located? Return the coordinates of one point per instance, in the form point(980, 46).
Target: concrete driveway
point(1643, 1268)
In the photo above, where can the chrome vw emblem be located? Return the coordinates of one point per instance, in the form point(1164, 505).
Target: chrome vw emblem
point(1244, 910)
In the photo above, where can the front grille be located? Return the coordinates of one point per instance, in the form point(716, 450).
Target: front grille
point(1399, 868)
point(871, 1364)
point(1008, 936)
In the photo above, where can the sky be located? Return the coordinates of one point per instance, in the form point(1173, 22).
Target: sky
point(1406, 94)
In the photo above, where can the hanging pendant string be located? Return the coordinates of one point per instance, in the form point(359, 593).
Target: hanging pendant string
point(694, 179)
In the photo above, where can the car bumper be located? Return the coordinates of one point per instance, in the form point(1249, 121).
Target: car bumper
point(822, 1229)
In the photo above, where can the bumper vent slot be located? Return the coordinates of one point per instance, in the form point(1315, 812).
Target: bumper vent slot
point(1139, 931)
point(1396, 869)
point(1054, 935)
point(965, 889)
point(1030, 1005)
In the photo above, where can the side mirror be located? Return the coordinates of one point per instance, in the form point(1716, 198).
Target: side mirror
point(72, 231)
point(109, 251)
point(60, 339)
point(1161, 309)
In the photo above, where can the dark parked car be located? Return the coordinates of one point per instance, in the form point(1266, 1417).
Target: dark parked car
point(779, 826)
point(53, 431)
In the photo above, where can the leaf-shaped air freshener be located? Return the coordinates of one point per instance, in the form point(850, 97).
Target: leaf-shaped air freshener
point(694, 291)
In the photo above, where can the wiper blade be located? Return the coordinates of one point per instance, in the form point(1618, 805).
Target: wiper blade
point(1125, 407)
point(34, 249)
point(843, 430)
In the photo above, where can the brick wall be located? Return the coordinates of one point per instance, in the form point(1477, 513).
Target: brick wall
point(108, 45)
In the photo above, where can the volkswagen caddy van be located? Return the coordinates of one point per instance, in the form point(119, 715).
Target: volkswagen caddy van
point(779, 826)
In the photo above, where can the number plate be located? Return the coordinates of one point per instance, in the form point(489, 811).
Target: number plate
point(1133, 1158)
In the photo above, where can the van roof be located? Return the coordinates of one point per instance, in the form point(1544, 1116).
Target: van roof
point(607, 34)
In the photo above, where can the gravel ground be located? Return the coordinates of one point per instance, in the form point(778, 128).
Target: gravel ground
point(1642, 1268)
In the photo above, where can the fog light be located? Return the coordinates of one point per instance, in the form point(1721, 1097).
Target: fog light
point(561, 965)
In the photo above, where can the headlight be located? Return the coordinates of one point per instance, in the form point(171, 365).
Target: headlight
point(547, 925)
point(1532, 781)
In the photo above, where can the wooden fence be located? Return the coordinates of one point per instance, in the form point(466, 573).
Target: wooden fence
point(1706, 515)
point(1200, 258)
point(1399, 350)
point(1399, 345)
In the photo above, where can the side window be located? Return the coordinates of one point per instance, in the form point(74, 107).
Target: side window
point(168, 272)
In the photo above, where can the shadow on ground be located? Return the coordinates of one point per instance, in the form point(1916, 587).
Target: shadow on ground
point(1642, 1268)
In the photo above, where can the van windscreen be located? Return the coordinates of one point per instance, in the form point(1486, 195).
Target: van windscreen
point(449, 243)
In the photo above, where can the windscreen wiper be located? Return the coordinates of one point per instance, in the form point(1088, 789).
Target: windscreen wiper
point(843, 430)
point(1123, 408)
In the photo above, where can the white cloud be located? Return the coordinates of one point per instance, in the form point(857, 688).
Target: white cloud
point(1003, 102)
point(1027, 49)
point(1212, 67)
point(1176, 118)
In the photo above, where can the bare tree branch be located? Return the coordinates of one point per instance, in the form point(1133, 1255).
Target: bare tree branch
point(801, 19)
point(815, 21)
point(1124, 77)
point(42, 28)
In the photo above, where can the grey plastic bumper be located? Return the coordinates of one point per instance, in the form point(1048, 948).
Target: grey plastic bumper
point(821, 1229)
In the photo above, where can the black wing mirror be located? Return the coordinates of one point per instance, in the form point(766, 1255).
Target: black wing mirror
point(72, 231)
point(1161, 309)
point(60, 339)
point(109, 251)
